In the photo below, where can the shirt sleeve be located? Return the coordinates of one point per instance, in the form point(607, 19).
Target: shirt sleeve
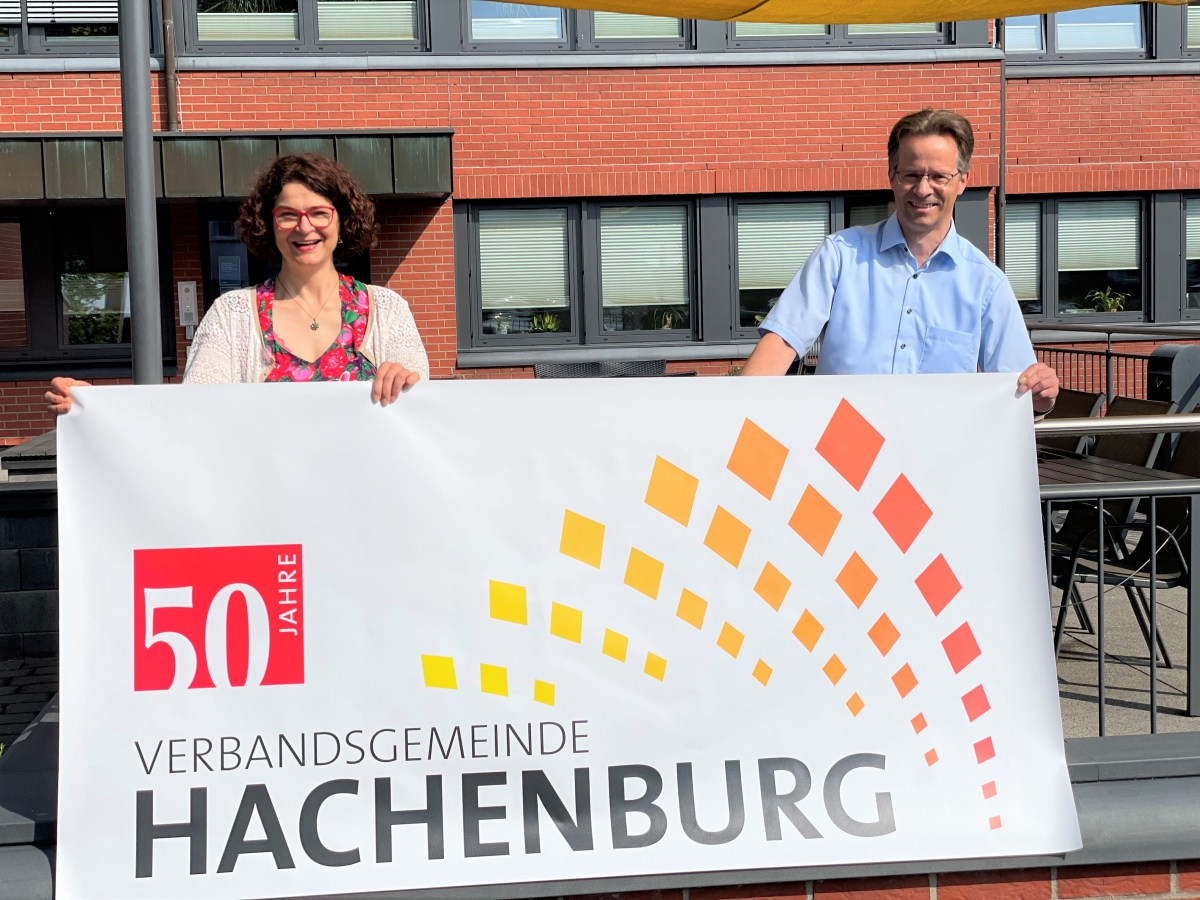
point(1004, 344)
point(803, 307)
point(210, 356)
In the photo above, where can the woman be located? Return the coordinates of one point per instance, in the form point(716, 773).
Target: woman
point(309, 323)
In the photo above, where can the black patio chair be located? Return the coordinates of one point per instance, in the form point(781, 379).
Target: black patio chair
point(1072, 405)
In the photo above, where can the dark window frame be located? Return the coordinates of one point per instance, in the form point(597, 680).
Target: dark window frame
point(579, 36)
point(1050, 313)
point(1188, 315)
point(1187, 11)
point(46, 354)
point(26, 39)
point(308, 39)
point(1051, 53)
point(567, 18)
point(587, 41)
point(838, 36)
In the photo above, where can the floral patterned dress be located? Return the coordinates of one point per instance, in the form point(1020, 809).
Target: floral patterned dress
point(343, 361)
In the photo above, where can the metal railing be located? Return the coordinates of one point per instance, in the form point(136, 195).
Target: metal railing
point(1112, 535)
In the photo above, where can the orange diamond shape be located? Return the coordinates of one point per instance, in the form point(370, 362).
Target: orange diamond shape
point(757, 459)
point(834, 669)
point(730, 640)
point(850, 444)
point(856, 579)
point(938, 584)
point(855, 704)
point(931, 757)
point(772, 586)
point(883, 634)
point(994, 823)
point(762, 672)
point(905, 680)
point(815, 520)
point(727, 536)
point(989, 790)
point(672, 491)
point(918, 723)
point(808, 630)
point(902, 513)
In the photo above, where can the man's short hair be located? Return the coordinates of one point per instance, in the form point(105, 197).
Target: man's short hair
point(929, 122)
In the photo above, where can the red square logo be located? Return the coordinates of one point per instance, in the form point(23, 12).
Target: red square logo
point(218, 617)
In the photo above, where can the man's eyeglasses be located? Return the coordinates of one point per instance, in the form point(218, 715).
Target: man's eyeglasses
point(936, 179)
point(287, 218)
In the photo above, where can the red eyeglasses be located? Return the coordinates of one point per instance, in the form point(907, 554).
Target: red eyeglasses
point(287, 218)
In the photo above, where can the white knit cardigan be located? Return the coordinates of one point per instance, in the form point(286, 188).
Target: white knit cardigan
point(229, 349)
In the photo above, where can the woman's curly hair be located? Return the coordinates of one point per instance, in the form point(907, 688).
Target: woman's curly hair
point(321, 175)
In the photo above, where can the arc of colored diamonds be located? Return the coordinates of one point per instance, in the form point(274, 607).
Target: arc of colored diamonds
point(440, 672)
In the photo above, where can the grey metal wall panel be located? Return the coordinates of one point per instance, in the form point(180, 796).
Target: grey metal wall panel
point(971, 213)
point(369, 160)
point(445, 27)
point(192, 167)
point(113, 153)
point(321, 145)
point(711, 37)
point(972, 33)
point(21, 170)
point(716, 267)
point(1166, 257)
point(422, 164)
point(74, 169)
point(241, 160)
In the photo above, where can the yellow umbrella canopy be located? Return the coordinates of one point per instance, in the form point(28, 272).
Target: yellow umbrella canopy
point(841, 12)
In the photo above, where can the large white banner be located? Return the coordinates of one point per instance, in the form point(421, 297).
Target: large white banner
point(518, 632)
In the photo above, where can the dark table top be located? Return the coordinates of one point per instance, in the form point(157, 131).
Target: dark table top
point(1066, 476)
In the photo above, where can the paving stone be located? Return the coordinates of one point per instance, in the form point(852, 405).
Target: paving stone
point(34, 529)
point(11, 646)
point(39, 569)
point(34, 697)
point(26, 611)
point(23, 707)
point(34, 679)
point(10, 570)
point(46, 670)
point(41, 646)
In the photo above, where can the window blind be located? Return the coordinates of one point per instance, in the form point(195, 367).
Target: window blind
point(777, 29)
point(1099, 235)
point(774, 240)
point(1102, 28)
point(895, 28)
point(868, 213)
point(523, 258)
point(1193, 229)
point(620, 26)
point(52, 12)
point(365, 20)
point(246, 26)
point(10, 12)
point(643, 255)
point(1023, 249)
point(1023, 34)
point(1193, 26)
point(495, 21)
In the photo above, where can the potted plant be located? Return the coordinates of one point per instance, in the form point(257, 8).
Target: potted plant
point(1107, 300)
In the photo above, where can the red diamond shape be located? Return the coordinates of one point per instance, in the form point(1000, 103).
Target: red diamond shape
point(961, 647)
point(850, 444)
point(938, 585)
point(984, 750)
point(902, 513)
point(975, 702)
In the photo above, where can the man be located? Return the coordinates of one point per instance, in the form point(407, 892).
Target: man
point(909, 294)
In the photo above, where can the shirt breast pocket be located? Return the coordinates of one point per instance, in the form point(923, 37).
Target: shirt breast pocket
point(947, 350)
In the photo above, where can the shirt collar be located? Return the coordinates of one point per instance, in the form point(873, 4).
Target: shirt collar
point(891, 236)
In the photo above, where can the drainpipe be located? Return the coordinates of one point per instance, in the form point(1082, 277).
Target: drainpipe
point(141, 226)
point(168, 22)
point(1001, 180)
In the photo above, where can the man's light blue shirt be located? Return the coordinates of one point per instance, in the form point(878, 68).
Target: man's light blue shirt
point(956, 313)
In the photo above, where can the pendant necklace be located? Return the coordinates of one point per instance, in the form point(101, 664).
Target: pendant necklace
point(315, 326)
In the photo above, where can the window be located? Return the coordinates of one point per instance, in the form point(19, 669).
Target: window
point(526, 27)
point(773, 242)
point(55, 26)
point(64, 292)
point(1099, 256)
point(1192, 38)
point(1104, 31)
point(235, 25)
point(748, 35)
point(1023, 254)
point(495, 21)
point(866, 211)
point(582, 272)
point(1192, 252)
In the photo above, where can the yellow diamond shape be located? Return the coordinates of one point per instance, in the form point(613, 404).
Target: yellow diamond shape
point(730, 640)
point(762, 672)
point(808, 630)
point(493, 679)
point(656, 666)
point(582, 539)
point(855, 704)
point(508, 602)
point(727, 536)
point(438, 671)
point(615, 645)
point(672, 491)
point(834, 669)
point(543, 692)
point(643, 573)
point(772, 586)
point(566, 622)
point(692, 608)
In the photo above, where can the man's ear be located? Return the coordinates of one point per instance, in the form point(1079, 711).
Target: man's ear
point(962, 182)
